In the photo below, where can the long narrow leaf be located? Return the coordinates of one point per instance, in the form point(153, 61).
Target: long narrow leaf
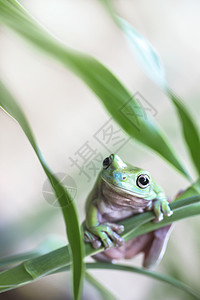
point(189, 128)
point(153, 67)
point(172, 281)
point(152, 274)
point(8, 103)
point(35, 268)
point(190, 192)
point(116, 98)
point(46, 246)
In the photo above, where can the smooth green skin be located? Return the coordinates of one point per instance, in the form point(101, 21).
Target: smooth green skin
point(122, 178)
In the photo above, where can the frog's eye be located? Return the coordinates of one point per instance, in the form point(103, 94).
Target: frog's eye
point(107, 162)
point(143, 181)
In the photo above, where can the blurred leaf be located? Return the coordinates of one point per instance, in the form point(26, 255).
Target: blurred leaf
point(190, 130)
point(119, 102)
point(193, 190)
point(8, 103)
point(49, 244)
point(170, 280)
point(153, 67)
point(60, 258)
point(144, 52)
point(106, 294)
point(32, 225)
point(140, 46)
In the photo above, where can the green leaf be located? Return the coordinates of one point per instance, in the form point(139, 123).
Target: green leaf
point(189, 128)
point(140, 46)
point(49, 244)
point(172, 281)
point(180, 211)
point(106, 294)
point(153, 67)
point(119, 102)
point(49, 263)
point(8, 103)
point(31, 225)
point(144, 52)
point(193, 190)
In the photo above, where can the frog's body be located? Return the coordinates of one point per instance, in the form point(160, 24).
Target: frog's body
point(116, 205)
point(121, 191)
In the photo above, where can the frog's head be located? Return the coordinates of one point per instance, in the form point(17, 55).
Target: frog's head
point(123, 177)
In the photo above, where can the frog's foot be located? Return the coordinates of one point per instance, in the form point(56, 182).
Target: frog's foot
point(161, 207)
point(91, 238)
point(107, 234)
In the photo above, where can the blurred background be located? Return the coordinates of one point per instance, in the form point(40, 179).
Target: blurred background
point(68, 119)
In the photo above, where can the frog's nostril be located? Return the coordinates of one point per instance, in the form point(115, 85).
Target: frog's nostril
point(117, 175)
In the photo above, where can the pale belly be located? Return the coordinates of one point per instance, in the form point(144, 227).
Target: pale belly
point(112, 213)
point(114, 206)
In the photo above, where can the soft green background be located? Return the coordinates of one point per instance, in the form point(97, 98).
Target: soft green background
point(64, 114)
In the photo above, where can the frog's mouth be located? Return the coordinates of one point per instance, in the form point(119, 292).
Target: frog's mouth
point(125, 193)
point(121, 198)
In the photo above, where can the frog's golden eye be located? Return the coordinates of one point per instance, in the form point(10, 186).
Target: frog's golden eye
point(143, 181)
point(107, 162)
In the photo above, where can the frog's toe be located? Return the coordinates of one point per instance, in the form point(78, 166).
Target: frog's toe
point(120, 229)
point(158, 218)
point(115, 227)
point(96, 244)
point(166, 209)
point(88, 236)
point(91, 238)
point(86, 239)
point(157, 211)
point(118, 240)
point(107, 242)
point(104, 237)
point(170, 213)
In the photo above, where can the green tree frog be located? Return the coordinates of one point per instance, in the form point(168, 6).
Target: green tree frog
point(121, 191)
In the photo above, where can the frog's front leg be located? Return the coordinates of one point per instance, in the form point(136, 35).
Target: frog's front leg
point(105, 233)
point(160, 207)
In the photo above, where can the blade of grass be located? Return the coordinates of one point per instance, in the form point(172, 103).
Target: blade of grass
point(35, 268)
point(8, 103)
point(153, 67)
point(119, 102)
point(106, 294)
point(172, 281)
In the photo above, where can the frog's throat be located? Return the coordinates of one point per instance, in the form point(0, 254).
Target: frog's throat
point(122, 191)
